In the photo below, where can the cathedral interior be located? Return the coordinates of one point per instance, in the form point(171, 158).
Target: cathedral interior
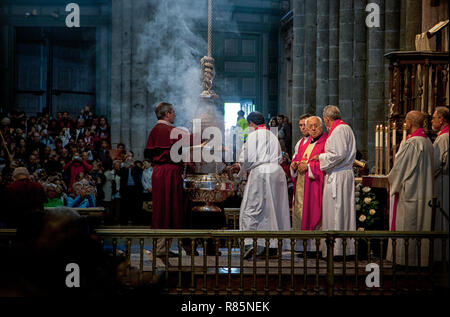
point(288, 57)
point(280, 57)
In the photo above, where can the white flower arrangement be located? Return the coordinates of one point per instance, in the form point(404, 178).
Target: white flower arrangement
point(366, 189)
point(366, 206)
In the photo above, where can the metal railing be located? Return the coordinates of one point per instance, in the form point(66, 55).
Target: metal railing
point(227, 272)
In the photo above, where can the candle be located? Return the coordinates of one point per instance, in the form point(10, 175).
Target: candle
point(381, 135)
point(394, 136)
point(387, 151)
point(404, 131)
point(376, 136)
point(380, 163)
point(377, 149)
point(386, 135)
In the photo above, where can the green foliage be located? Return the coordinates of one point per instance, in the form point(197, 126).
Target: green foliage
point(368, 213)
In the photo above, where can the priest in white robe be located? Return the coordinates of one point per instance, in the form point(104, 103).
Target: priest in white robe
point(441, 181)
point(265, 204)
point(411, 183)
point(338, 206)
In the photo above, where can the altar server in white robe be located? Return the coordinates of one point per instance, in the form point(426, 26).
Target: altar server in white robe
point(338, 207)
point(265, 204)
point(441, 180)
point(411, 183)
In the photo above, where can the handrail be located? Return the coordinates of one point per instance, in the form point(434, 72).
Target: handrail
point(329, 275)
point(130, 232)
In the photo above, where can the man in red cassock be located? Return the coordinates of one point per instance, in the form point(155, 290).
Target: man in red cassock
point(307, 211)
point(169, 200)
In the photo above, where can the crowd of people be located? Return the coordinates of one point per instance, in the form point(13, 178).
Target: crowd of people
point(70, 162)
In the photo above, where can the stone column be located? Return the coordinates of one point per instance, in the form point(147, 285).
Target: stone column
point(310, 56)
point(298, 76)
point(333, 54)
point(125, 105)
point(322, 56)
point(413, 23)
point(116, 71)
point(376, 105)
point(139, 60)
point(346, 23)
point(359, 76)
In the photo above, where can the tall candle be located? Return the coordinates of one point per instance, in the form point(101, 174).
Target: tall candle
point(386, 136)
point(376, 136)
point(394, 136)
point(380, 162)
point(381, 135)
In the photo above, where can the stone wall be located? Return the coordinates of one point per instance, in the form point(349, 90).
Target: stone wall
point(338, 60)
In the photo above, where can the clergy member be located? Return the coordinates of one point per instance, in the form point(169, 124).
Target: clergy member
point(169, 200)
point(440, 126)
point(265, 204)
point(303, 131)
point(338, 205)
point(307, 211)
point(411, 183)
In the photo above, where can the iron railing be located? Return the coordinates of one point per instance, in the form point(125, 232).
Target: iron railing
point(226, 272)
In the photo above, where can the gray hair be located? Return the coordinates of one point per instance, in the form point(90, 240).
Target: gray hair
point(317, 117)
point(332, 112)
point(162, 108)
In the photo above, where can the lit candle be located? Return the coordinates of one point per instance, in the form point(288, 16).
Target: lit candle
point(380, 163)
point(387, 150)
point(404, 131)
point(376, 136)
point(381, 135)
point(394, 136)
point(386, 135)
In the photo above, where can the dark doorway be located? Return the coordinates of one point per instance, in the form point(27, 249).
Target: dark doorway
point(55, 69)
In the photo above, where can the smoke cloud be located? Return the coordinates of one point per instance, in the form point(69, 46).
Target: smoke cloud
point(175, 43)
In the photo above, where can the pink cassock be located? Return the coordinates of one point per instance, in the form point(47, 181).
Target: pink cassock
point(312, 199)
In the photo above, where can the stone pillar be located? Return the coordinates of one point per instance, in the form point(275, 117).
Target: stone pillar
point(116, 72)
point(411, 17)
point(265, 73)
point(125, 103)
point(322, 56)
point(413, 23)
point(298, 76)
point(376, 105)
point(310, 56)
point(346, 23)
point(138, 137)
point(359, 77)
point(333, 54)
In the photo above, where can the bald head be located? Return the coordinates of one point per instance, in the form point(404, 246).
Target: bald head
point(415, 119)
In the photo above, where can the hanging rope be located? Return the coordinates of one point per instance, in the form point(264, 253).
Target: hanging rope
point(209, 28)
point(207, 62)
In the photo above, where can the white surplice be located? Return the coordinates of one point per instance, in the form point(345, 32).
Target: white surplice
point(338, 209)
point(412, 178)
point(265, 205)
point(441, 190)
